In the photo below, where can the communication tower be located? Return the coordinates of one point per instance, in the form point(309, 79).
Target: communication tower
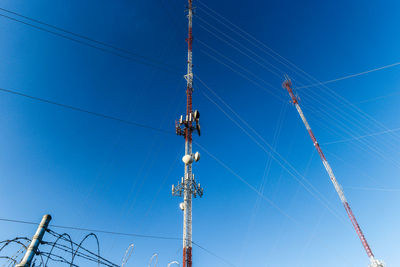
point(185, 126)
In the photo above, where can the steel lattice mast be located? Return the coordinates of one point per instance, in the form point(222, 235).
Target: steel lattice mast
point(374, 263)
point(185, 126)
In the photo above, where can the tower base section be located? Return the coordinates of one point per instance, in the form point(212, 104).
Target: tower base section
point(187, 257)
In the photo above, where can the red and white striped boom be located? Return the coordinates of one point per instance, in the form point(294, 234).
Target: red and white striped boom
point(374, 263)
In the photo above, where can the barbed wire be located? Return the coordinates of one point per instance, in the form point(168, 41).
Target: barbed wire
point(75, 249)
point(63, 243)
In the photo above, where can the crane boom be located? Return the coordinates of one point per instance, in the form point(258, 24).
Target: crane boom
point(374, 263)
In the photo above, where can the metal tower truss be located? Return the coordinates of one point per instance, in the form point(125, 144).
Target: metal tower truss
point(374, 262)
point(185, 126)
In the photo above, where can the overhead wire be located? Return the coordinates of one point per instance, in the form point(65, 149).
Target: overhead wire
point(373, 189)
point(246, 182)
point(131, 112)
point(353, 107)
point(265, 175)
point(93, 113)
point(361, 137)
point(332, 130)
point(152, 154)
point(142, 175)
point(240, 32)
point(235, 63)
point(254, 41)
point(351, 120)
point(163, 182)
point(67, 106)
point(375, 149)
point(51, 101)
point(274, 145)
point(329, 110)
point(97, 114)
point(151, 61)
point(239, 50)
point(241, 35)
point(373, 146)
point(316, 194)
point(137, 57)
point(220, 33)
point(94, 230)
point(293, 172)
point(350, 76)
point(279, 97)
point(362, 172)
point(113, 233)
point(244, 76)
point(284, 229)
point(377, 98)
point(212, 253)
point(347, 117)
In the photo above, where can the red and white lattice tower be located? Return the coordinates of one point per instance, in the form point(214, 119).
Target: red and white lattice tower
point(188, 187)
point(374, 262)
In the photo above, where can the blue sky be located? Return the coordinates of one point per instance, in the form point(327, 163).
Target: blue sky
point(96, 173)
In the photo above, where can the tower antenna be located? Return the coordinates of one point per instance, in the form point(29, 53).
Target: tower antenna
point(287, 84)
point(188, 187)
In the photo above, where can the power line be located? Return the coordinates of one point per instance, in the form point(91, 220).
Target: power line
point(85, 111)
point(141, 59)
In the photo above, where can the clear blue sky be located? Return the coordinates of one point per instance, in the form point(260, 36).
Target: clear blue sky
point(96, 173)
